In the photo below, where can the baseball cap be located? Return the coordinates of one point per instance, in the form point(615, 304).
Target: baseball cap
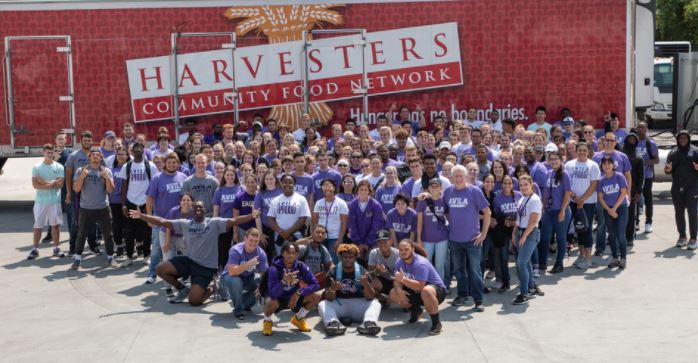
point(257, 123)
point(383, 234)
point(550, 148)
point(539, 148)
point(109, 134)
point(435, 181)
point(567, 120)
point(445, 144)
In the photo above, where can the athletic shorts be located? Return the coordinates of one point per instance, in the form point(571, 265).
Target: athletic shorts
point(284, 304)
point(387, 285)
point(186, 267)
point(416, 299)
point(47, 215)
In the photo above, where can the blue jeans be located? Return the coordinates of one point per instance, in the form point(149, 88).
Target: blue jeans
point(329, 243)
point(586, 239)
point(617, 227)
point(241, 290)
point(466, 266)
point(602, 229)
point(437, 253)
point(524, 268)
point(155, 251)
point(549, 225)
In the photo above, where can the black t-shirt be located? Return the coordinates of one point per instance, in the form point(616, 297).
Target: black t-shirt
point(349, 287)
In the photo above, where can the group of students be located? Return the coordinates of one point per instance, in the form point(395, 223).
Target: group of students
point(359, 220)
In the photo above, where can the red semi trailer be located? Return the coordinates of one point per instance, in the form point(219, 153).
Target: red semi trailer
point(94, 65)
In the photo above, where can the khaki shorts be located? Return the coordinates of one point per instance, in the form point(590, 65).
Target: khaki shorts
point(47, 215)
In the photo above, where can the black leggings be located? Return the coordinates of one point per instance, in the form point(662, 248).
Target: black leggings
point(649, 203)
point(225, 240)
point(136, 229)
point(117, 223)
point(683, 200)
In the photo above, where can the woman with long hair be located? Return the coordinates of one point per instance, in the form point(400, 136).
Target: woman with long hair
point(505, 202)
point(387, 191)
point(347, 191)
point(223, 201)
point(268, 190)
point(243, 205)
point(557, 215)
point(525, 238)
point(115, 202)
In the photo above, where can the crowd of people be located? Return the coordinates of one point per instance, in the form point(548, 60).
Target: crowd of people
point(363, 218)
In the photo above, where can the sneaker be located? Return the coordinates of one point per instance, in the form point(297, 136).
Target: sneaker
point(33, 254)
point(579, 259)
point(622, 263)
point(584, 264)
point(459, 301)
point(301, 324)
point(598, 253)
point(681, 243)
point(504, 288)
point(536, 273)
point(486, 290)
point(614, 263)
point(435, 329)
point(415, 313)
point(648, 228)
point(479, 308)
point(239, 316)
point(692, 245)
point(111, 262)
point(266, 327)
point(146, 261)
point(489, 275)
point(169, 292)
point(368, 328)
point(181, 295)
point(150, 280)
point(75, 265)
point(520, 300)
point(332, 329)
point(556, 270)
point(536, 291)
point(96, 250)
point(128, 262)
point(57, 253)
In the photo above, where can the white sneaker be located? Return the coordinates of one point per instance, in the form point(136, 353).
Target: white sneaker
point(536, 273)
point(681, 243)
point(127, 263)
point(150, 280)
point(584, 264)
point(648, 228)
point(692, 245)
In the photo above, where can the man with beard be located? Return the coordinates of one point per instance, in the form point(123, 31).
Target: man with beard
point(78, 159)
point(201, 262)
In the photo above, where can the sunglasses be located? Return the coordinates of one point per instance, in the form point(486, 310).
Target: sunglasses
point(342, 165)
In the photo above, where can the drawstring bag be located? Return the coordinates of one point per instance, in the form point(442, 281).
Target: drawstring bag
point(581, 224)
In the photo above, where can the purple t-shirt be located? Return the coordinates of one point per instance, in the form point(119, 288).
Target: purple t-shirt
point(385, 195)
point(620, 160)
point(433, 230)
point(553, 192)
point(498, 185)
point(237, 256)
point(644, 152)
point(402, 225)
point(176, 213)
point(320, 175)
point(610, 187)
point(165, 189)
point(262, 201)
point(305, 185)
point(464, 206)
point(421, 270)
point(538, 172)
point(224, 197)
point(505, 205)
point(244, 202)
point(346, 197)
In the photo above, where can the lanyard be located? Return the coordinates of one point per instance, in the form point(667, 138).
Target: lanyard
point(328, 211)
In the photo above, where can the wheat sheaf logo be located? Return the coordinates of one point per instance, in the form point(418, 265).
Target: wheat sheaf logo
point(286, 23)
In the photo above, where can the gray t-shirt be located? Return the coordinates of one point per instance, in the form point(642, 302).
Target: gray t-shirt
point(201, 239)
point(76, 159)
point(201, 189)
point(375, 258)
point(314, 257)
point(93, 194)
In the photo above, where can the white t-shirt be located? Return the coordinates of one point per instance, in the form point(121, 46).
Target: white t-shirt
point(329, 215)
point(525, 207)
point(182, 139)
point(138, 183)
point(581, 175)
point(287, 210)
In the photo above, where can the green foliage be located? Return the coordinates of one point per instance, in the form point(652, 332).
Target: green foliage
point(677, 20)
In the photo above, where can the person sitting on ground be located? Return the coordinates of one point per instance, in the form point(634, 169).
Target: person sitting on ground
point(201, 261)
point(290, 285)
point(417, 283)
point(350, 296)
point(381, 263)
point(246, 261)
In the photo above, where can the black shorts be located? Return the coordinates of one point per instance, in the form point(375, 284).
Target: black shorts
point(284, 304)
point(186, 267)
point(416, 299)
point(387, 285)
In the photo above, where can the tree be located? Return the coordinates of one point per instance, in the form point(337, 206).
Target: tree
point(677, 20)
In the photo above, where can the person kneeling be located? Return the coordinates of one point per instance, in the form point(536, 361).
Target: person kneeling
point(417, 283)
point(291, 285)
point(245, 261)
point(349, 296)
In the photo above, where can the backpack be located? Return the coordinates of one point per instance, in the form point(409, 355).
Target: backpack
point(145, 164)
point(357, 274)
